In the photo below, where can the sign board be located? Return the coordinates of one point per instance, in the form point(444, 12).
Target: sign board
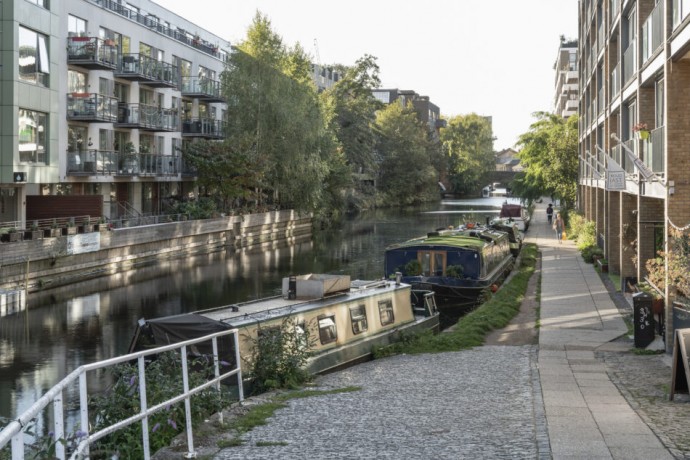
point(84, 242)
point(680, 374)
point(615, 180)
point(19, 176)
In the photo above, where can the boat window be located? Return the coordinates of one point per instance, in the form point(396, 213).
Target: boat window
point(433, 263)
point(327, 332)
point(386, 312)
point(358, 316)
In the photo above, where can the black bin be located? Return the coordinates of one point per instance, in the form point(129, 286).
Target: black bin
point(643, 319)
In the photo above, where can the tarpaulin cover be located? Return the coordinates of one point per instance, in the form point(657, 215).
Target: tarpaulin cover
point(179, 328)
point(511, 210)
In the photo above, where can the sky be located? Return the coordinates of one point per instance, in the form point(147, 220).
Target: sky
point(490, 57)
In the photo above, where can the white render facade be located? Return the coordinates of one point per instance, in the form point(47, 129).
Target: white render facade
point(97, 97)
point(566, 97)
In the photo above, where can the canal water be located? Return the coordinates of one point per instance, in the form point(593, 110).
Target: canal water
point(66, 328)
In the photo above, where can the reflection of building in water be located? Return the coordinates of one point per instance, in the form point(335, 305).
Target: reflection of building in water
point(12, 301)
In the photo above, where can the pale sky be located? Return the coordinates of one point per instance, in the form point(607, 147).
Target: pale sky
point(490, 57)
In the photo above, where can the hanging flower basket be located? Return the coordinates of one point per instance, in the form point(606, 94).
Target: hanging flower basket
point(642, 131)
point(644, 134)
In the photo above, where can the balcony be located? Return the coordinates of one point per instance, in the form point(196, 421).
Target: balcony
point(92, 163)
point(202, 88)
point(92, 53)
point(629, 63)
point(159, 165)
point(203, 127)
point(91, 107)
point(615, 81)
point(113, 163)
point(147, 117)
point(653, 151)
point(151, 22)
point(627, 164)
point(653, 32)
point(145, 69)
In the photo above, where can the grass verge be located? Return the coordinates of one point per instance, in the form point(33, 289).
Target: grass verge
point(472, 328)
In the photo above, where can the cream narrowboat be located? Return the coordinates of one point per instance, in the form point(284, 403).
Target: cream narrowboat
point(344, 319)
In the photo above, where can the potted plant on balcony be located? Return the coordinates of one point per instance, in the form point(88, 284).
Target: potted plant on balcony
point(129, 161)
point(9, 235)
point(642, 131)
point(70, 229)
point(33, 234)
point(86, 226)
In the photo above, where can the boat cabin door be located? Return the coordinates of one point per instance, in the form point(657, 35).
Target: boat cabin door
point(433, 262)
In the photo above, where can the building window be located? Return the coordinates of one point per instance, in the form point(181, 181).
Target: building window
point(42, 3)
point(76, 82)
point(358, 317)
point(32, 136)
point(327, 332)
point(33, 62)
point(76, 27)
point(386, 312)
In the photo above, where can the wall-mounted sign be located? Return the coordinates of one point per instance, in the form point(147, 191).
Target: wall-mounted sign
point(19, 176)
point(615, 180)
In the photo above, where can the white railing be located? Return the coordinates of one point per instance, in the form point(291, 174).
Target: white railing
point(14, 431)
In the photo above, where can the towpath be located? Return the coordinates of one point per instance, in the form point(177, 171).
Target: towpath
point(578, 393)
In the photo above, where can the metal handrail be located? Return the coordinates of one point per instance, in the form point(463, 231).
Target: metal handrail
point(14, 431)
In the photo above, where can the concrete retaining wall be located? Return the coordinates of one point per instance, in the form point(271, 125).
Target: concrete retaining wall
point(51, 262)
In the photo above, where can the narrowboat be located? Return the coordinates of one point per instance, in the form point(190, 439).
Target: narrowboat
point(514, 235)
point(516, 213)
point(457, 264)
point(344, 319)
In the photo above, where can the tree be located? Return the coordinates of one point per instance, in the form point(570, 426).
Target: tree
point(406, 175)
point(355, 109)
point(548, 154)
point(467, 141)
point(274, 112)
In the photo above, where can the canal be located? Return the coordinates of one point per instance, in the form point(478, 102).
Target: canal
point(66, 328)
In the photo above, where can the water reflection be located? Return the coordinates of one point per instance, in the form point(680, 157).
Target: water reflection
point(65, 328)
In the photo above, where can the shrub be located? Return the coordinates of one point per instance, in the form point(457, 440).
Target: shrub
point(279, 355)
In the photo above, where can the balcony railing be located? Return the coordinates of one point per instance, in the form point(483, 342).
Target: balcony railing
point(629, 62)
point(653, 32)
point(159, 165)
point(113, 163)
point(681, 8)
point(139, 67)
point(92, 52)
point(148, 117)
point(627, 164)
point(615, 80)
point(153, 23)
point(202, 88)
point(91, 107)
point(203, 127)
point(600, 101)
point(653, 151)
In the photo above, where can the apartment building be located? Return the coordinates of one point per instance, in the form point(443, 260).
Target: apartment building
point(566, 97)
point(634, 137)
point(427, 111)
point(97, 99)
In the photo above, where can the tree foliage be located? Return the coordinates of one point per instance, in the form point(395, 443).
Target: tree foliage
point(406, 175)
point(275, 115)
point(548, 154)
point(355, 113)
point(467, 141)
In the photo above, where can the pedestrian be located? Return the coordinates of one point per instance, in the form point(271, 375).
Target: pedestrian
point(549, 213)
point(559, 226)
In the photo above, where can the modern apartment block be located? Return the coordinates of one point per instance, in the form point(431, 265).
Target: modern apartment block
point(565, 100)
point(634, 99)
point(97, 98)
point(427, 111)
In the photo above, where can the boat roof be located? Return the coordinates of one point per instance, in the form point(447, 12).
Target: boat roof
point(448, 238)
point(242, 314)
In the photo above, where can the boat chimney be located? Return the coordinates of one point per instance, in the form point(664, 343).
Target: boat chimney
point(292, 287)
point(398, 278)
